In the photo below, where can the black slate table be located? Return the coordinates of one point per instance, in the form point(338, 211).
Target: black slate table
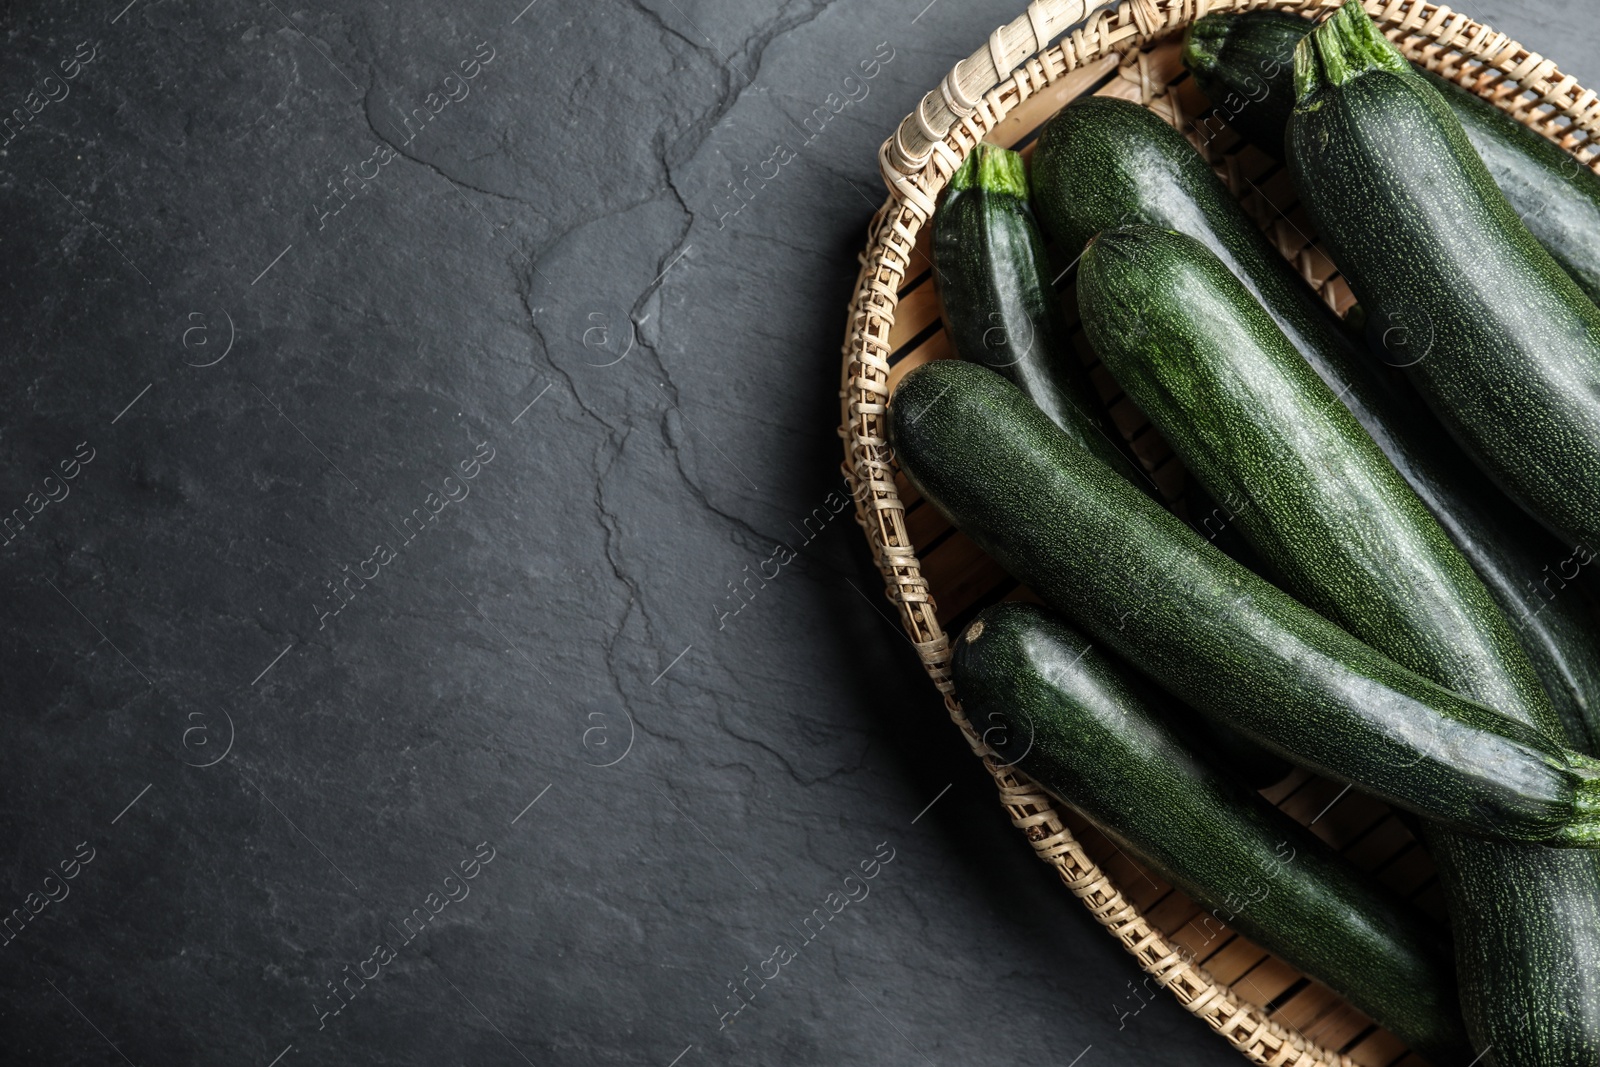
point(433, 634)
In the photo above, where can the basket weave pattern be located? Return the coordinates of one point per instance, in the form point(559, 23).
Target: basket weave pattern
point(972, 101)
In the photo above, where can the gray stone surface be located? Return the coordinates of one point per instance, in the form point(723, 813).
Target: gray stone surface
point(268, 380)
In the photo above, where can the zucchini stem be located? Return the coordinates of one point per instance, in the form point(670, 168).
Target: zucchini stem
point(1203, 42)
point(1340, 50)
point(992, 169)
point(1583, 831)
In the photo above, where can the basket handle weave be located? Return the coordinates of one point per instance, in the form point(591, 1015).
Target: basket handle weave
point(961, 91)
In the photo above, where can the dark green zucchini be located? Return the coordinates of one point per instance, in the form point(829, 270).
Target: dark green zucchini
point(1504, 346)
point(992, 274)
point(1327, 511)
point(1091, 732)
point(1244, 62)
point(992, 270)
point(1101, 163)
point(1323, 506)
point(1556, 626)
point(1211, 632)
point(1228, 750)
point(1526, 921)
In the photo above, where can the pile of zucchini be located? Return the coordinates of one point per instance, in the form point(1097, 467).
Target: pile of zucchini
point(1378, 575)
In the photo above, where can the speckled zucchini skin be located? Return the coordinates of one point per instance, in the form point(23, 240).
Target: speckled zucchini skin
point(1246, 415)
point(990, 268)
point(1244, 63)
point(1096, 736)
point(1101, 163)
point(1527, 937)
point(1321, 503)
point(1506, 345)
point(1212, 633)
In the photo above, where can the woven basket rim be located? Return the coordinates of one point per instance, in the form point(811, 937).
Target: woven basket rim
point(916, 162)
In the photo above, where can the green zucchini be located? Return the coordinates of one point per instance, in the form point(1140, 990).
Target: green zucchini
point(1102, 162)
point(1205, 628)
point(1527, 950)
point(1323, 506)
point(999, 309)
point(992, 274)
point(1244, 63)
point(1228, 750)
point(1087, 729)
point(1328, 512)
point(1506, 346)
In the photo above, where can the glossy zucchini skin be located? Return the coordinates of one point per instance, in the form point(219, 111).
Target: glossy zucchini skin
point(1557, 197)
point(1527, 938)
point(1204, 361)
point(992, 273)
point(1244, 63)
point(1505, 347)
point(1556, 625)
point(1245, 67)
point(1323, 507)
point(1101, 163)
point(1096, 736)
point(1209, 631)
point(991, 270)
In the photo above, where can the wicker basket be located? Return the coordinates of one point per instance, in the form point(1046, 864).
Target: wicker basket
point(1002, 93)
